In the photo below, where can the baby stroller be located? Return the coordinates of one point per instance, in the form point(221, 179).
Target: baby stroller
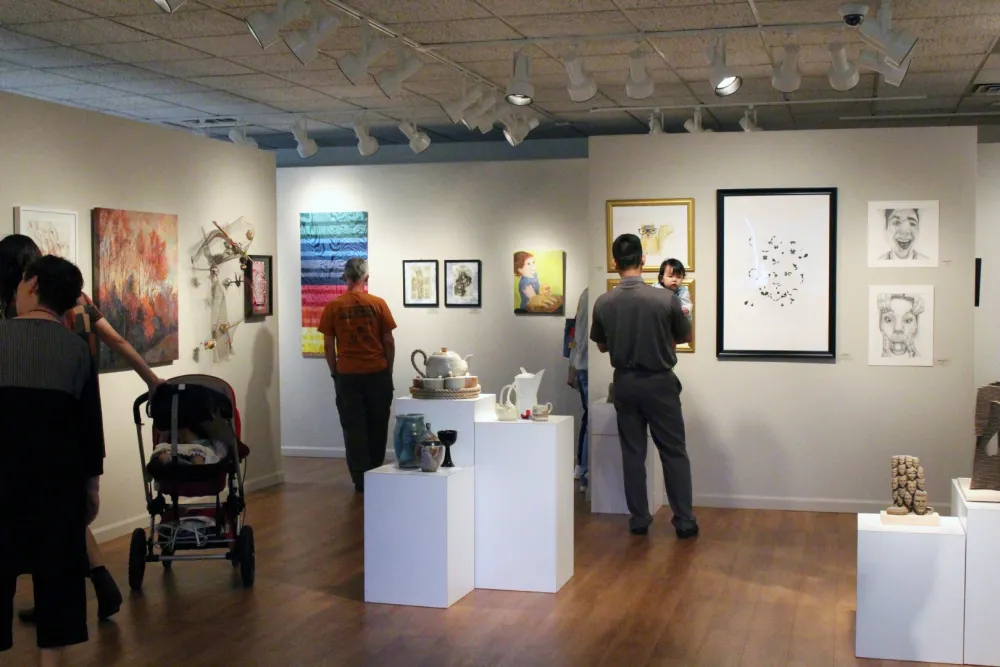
point(204, 405)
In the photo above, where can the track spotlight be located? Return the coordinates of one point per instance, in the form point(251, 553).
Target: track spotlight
point(407, 64)
point(304, 44)
point(639, 85)
point(787, 77)
point(516, 128)
point(238, 135)
point(724, 81)
point(169, 5)
point(879, 35)
point(265, 26)
point(456, 109)
point(878, 62)
point(749, 124)
point(693, 125)
point(355, 66)
point(843, 73)
point(306, 146)
point(581, 87)
point(520, 92)
point(419, 141)
point(367, 144)
point(655, 123)
point(481, 113)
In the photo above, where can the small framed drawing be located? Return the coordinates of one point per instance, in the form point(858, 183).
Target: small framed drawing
point(903, 234)
point(420, 283)
point(665, 226)
point(53, 231)
point(687, 283)
point(258, 287)
point(901, 325)
point(463, 279)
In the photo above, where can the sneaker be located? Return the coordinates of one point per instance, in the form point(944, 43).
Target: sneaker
point(578, 472)
point(109, 598)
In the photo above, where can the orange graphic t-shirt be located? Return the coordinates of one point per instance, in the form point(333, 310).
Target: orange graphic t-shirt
point(358, 320)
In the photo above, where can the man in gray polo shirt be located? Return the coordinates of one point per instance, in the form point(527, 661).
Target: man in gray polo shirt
point(640, 326)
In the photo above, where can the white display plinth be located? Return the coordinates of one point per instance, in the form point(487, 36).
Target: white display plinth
point(419, 536)
point(524, 505)
point(606, 480)
point(458, 415)
point(982, 574)
point(911, 591)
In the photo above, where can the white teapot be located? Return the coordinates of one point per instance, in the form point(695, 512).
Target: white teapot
point(441, 364)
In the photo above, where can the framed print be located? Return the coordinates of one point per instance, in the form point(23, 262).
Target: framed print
point(901, 325)
point(903, 234)
point(777, 273)
point(665, 226)
point(688, 283)
point(258, 287)
point(53, 231)
point(420, 283)
point(539, 282)
point(463, 283)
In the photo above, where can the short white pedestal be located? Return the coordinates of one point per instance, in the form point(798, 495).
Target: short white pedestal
point(982, 572)
point(458, 415)
point(911, 591)
point(524, 505)
point(607, 482)
point(419, 536)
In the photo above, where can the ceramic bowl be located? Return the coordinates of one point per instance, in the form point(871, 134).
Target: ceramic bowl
point(471, 381)
point(435, 384)
point(454, 383)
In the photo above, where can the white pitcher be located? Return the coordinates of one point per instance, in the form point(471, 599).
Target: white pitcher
point(526, 387)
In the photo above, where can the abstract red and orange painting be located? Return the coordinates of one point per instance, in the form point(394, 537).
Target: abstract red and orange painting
point(135, 282)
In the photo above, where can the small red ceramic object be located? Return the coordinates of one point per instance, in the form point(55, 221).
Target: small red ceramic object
point(526, 415)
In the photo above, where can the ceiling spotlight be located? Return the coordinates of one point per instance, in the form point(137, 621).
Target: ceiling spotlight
point(476, 116)
point(520, 92)
point(749, 124)
point(306, 146)
point(655, 123)
point(693, 125)
point(419, 141)
point(238, 135)
point(407, 64)
point(355, 66)
point(787, 77)
point(367, 144)
point(891, 73)
point(843, 73)
point(304, 44)
point(639, 85)
point(724, 81)
point(879, 35)
point(516, 128)
point(456, 108)
point(265, 26)
point(170, 5)
point(581, 87)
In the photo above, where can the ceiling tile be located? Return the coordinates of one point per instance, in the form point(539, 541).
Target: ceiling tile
point(538, 7)
point(194, 68)
point(503, 69)
point(11, 41)
point(419, 10)
point(741, 49)
point(31, 11)
point(79, 91)
point(955, 45)
point(472, 54)
point(467, 30)
point(56, 56)
point(319, 104)
point(201, 23)
point(313, 78)
point(284, 62)
point(818, 87)
point(168, 112)
point(701, 74)
point(143, 52)
point(945, 64)
point(931, 104)
point(158, 87)
point(693, 17)
point(126, 102)
point(107, 73)
point(348, 91)
point(909, 9)
point(91, 31)
point(601, 47)
point(215, 102)
point(405, 100)
point(232, 45)
point(555, 25)
point(286, 94)
point(110, 8)
point(986, 25)
point(934, 84)
point(800, 11)
point(242, 82)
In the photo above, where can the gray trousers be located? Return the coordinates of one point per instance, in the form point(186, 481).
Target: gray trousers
point(653, 399)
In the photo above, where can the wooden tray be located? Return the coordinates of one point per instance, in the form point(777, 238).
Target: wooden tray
point(445, 394)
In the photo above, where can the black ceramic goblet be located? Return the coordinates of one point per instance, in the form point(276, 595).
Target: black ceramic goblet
point(448, 439)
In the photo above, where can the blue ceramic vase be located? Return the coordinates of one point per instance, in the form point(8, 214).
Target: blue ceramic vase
point(408, 432)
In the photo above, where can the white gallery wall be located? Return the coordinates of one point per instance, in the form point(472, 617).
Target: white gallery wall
point(70, 159)
point(483, 211)
point(816, 436)
point(988, 249)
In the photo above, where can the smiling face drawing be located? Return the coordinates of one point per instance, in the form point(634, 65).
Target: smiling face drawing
point(899, 323)
point(902, 229)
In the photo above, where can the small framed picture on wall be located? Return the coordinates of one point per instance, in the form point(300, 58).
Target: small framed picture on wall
point(53, 231)
point(420, 283)
point(463, 283)
point(258, 287)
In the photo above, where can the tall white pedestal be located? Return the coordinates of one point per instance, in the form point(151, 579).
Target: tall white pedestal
point(982, 571)
point(911, 591)
point(524, 505)
point(607, 482)
point(419, 536)
point(458, 415)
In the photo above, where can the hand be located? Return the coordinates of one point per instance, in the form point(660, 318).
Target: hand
point(685, 310)
point(153, 386)
point(571, 378)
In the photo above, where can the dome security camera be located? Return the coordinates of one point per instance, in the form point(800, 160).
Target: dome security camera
point(854, 13)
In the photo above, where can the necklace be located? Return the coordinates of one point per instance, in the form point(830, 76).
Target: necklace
point(44, 310)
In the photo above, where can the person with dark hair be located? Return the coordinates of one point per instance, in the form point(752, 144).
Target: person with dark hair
point(671, 277)
point(16, 252)
point(51, 457)
point(639, 327)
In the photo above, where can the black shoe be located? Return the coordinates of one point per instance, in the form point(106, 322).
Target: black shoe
point(687, 533)
point(639, 530)
point(109, 598)
point(27, 615)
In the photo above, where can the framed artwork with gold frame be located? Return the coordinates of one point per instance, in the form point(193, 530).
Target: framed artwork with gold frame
point(665, 226)
point(687, 282)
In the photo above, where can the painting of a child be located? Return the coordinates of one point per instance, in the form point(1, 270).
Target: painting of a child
point(539, 279)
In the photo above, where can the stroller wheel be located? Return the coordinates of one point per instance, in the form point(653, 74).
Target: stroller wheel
point(137, 559)
point(245, 550)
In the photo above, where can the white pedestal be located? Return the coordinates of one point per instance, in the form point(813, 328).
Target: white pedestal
point(911, 591)
point(419, 536)
point(982, 572)
point(607, 482)
point(524, 505)
point(458, 415)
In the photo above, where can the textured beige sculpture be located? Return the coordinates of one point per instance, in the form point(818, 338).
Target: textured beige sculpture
point(986, 468)
point(908, 493)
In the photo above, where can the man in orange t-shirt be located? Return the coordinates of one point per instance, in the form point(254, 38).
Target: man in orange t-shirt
point(360, 350)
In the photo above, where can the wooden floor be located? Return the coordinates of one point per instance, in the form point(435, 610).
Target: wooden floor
point(757, 588)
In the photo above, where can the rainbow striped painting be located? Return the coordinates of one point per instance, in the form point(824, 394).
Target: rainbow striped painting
point(327, 241)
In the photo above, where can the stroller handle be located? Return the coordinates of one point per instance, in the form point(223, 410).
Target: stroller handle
point(136, 415)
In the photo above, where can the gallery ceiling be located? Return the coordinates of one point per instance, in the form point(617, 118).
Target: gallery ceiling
point(201, 67)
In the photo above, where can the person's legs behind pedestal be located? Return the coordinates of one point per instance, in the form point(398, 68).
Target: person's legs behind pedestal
point(583, 454)
point(354, 422)
point(662, 408)
point(632, 437)
point(378, 407)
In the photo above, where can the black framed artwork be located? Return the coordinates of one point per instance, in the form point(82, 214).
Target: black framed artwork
point(777, 273)
point(420, 283)
point(258, 286)
point(463, 283)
